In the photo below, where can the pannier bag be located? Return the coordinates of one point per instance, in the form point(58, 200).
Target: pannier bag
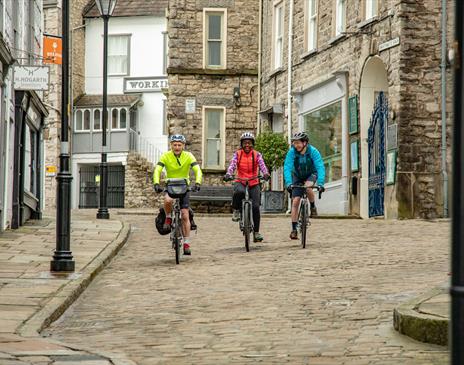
point(159, 223)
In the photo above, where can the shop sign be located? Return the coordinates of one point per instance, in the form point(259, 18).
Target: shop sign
point(389, 44)
point(353, 114)
point(31, 77)
point(50, 170)
point(52, 50)
point(145, 84)
point(190, 106)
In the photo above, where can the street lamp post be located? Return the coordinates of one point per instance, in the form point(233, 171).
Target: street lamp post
point(457, 280)
point(62, 258)
point(106, 8)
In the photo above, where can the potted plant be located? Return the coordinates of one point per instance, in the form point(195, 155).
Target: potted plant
point(273, 147)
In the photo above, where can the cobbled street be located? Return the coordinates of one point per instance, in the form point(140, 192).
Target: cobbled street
point(331, 303)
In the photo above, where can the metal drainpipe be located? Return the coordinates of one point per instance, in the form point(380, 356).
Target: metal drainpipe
point(443, 109)
point(289, 72)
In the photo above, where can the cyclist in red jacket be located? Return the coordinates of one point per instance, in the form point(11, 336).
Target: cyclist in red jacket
point(247, 162)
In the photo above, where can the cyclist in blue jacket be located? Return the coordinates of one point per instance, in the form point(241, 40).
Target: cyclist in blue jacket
point(303, 165)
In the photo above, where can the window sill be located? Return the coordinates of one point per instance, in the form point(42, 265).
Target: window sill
point(82, 132)
point(213, 169)
point(276, 71)
point(336, 39)
point(367, 22)
point(309, 54)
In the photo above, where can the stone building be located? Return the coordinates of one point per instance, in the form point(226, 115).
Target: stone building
point(22, 112)
point(52, 25)
point(365, 82)
point(213, 77)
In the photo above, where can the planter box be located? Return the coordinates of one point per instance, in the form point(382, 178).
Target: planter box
point(273, 201)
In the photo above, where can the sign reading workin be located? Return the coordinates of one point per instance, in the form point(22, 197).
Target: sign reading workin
point(145, 84)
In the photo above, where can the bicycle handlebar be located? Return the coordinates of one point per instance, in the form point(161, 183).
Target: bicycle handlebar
point(320, 189)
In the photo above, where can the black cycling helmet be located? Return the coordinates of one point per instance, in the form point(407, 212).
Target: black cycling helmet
point(177, 138)
point(247, 136)
point(300, 136)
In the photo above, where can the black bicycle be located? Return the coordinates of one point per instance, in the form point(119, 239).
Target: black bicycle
point(177, 189)
point(303, 211)
point(246, 216)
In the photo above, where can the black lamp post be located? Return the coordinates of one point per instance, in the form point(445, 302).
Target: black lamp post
point(457, 280)
point(106, 8)
point(63, 259)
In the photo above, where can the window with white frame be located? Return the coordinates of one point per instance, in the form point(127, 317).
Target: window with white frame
point(215, 25)
point(82, 120)
point(311, 24)
point(118, 118)
point(372, 8)
point(278, 33)
point(213, 131)
point(97, 120)
point(118, 55)
point(340, 17)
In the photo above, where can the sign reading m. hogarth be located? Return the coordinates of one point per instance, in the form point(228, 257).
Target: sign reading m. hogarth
point(145, 84)
point(31, 77)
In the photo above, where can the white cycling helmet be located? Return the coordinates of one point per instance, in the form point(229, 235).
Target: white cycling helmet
point(247, 136)
point(177, 138)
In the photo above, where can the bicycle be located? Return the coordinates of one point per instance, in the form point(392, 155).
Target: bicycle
point(246, 217)
point(303, 211)
point(176, 189)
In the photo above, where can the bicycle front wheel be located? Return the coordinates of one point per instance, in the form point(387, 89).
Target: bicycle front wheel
point(303, 223)
point(247, 225)
point(178, 238)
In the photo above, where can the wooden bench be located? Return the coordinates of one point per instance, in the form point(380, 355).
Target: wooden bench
point(213, 194)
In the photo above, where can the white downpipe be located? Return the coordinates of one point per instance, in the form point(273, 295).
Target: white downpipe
point(289, 71)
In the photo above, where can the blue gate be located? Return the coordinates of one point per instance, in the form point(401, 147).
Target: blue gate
point(376, 147)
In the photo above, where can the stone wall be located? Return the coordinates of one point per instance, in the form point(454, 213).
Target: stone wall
point(188, 79)
point(52, 130)
point(139, 191)
point(413, 71)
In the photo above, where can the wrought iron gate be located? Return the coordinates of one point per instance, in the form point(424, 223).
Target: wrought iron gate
point(376, 148)
point(89, 189)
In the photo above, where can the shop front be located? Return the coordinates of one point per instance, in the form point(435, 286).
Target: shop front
point(322, 114)
point(28, 164)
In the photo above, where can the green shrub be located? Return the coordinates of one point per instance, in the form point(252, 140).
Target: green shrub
point(273, 147)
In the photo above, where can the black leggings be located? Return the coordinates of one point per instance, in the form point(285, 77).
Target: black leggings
point(255, 196)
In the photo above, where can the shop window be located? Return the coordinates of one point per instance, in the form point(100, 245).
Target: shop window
point(324, 127)
point(214, 130)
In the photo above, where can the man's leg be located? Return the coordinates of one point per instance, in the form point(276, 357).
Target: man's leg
point(295, 205)
point(168, 201)
point(312, 200)
point(184, 204)
point(239, 195)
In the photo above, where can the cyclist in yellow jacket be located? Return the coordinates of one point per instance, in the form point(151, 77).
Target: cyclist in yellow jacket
point(177, 164)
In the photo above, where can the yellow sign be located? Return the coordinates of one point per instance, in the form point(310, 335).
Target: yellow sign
point(50, 170)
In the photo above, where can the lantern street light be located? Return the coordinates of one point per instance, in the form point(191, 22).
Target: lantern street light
point(106, 8)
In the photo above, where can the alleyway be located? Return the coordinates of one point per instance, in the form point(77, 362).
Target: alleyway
point(329, 304)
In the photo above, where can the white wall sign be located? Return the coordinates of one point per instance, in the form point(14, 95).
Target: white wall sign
point(190, 106)
point(389, 44)
point(31, 77)
point(144, 84)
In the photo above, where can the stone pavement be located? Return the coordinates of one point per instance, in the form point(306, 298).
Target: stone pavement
point(329, 304)
point(31, 297)
point(425, 318)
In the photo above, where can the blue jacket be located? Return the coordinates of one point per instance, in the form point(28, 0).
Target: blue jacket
point(300, 167)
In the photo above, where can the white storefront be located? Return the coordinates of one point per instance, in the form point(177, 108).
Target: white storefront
point(322, 112)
